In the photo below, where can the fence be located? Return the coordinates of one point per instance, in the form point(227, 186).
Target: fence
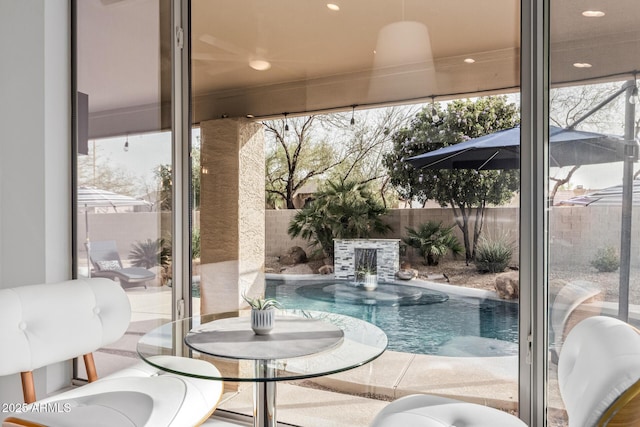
point(575, 234)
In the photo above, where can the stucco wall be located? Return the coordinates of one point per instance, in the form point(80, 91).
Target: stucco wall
point(575, 233)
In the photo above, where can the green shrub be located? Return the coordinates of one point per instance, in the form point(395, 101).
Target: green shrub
point(606, 260)
point(195, 243)
point(433, 241)
point(493, 255)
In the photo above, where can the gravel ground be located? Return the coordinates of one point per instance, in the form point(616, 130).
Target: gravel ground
point(456, 272)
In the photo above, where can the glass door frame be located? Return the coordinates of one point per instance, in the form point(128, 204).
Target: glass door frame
point(534, 84)
point(534, 89)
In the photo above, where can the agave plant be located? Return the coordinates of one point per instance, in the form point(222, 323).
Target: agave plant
point(261, 303)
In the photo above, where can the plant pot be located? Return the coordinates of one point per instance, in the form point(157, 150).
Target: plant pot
point(262, 321)
point(370, 282)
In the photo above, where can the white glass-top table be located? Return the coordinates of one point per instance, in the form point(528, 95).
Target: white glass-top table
point(303, 344)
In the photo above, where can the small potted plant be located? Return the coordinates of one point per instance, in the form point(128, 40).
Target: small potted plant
point(263, 313)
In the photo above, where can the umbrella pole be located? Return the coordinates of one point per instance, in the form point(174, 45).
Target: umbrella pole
point(627, 202)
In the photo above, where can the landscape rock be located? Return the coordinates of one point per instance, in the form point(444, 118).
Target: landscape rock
point(407, 274)
point(325, 269)
point(295, 255)
point(508, 285)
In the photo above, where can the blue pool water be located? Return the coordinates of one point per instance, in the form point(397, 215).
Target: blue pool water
point(416, 320)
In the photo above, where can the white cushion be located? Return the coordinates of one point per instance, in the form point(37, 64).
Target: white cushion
point(136, 396)
point(45, 324)
point(600, 359)
point(434, 411)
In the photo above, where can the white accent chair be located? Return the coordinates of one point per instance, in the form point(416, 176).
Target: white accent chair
point(598, 375)
point(50, 323)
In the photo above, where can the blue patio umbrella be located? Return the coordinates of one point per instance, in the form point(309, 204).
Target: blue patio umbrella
point(610, 196)
point(501, 150)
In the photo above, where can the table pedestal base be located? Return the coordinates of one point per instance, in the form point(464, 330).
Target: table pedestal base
point(264, 397)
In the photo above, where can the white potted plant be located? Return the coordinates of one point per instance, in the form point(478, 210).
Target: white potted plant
point(263, 313)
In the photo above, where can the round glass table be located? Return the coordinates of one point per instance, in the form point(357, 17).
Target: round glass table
point(303, 344)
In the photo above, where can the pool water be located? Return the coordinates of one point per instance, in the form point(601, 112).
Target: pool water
point(415, 320)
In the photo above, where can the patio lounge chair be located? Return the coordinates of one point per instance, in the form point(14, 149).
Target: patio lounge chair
point(107, 263)
point(598, 376)
point(52, 323)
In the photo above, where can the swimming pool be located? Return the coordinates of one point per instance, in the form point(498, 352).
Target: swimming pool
point(418, 321)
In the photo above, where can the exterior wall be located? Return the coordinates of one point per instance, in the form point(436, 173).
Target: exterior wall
point(497, 222)
point(35, 156)
point(576, 232)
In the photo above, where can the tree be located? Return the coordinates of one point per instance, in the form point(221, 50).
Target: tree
point(343, 210)
point(164, 177)
point(571, 103)
point(294, 158)
point(467, 192)
point(100, 172)
point(329, 147)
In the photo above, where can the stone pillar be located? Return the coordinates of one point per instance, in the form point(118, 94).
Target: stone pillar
point(231, 213)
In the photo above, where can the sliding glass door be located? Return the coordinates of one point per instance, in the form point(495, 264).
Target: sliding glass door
point(124, 192)
point(592, 216)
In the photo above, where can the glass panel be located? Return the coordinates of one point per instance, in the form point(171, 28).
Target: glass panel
point(592, 220)
point(124, 161)
point(306, 116)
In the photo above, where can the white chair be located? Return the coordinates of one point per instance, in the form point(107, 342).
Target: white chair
point(598, 375)
point(51, 323)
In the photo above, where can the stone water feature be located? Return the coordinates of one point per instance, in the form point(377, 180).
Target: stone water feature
point(353, 257)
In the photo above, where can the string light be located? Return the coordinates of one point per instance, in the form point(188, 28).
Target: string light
point(286, 124)
point(353, 113)
point(126, 144)
point(434, 113)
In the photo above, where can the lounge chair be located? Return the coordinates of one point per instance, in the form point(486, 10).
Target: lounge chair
point(598, 376)
point(107, 263)
point(47, 324)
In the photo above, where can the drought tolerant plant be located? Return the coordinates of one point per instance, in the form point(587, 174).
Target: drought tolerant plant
point(342, 210)
point(150, 253)
point(493, 255)
point(433, 241)
point(606, 260)
point(261, 303)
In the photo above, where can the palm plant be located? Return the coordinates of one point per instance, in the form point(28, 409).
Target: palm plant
point(150, 253)
point(433, 241)
point(343, 210)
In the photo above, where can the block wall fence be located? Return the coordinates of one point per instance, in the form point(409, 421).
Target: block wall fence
point(576, 232)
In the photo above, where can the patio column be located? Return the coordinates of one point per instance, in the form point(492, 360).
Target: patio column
point(232, 204)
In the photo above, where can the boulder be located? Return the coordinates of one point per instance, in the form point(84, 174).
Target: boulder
point(295, 255)
point(325, 269)
point(407, 274)
point(508, 285)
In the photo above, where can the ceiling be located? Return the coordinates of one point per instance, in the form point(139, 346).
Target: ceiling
point(370, 52)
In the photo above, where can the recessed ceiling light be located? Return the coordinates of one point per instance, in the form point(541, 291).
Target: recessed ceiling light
point(259, 64)
point(582, 65)
point(333, 6)
point(469, 60)
point(593, 13)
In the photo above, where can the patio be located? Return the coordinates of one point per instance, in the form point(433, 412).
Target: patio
point(350, 398)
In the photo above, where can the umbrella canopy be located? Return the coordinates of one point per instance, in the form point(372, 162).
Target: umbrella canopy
point(95, 197)
point(611, 196)
point(501, 150)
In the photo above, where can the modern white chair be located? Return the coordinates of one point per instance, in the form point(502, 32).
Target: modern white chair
point(598, 375)
point(50, 323)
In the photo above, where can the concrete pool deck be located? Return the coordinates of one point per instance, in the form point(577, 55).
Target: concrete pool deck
point(486, 380)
